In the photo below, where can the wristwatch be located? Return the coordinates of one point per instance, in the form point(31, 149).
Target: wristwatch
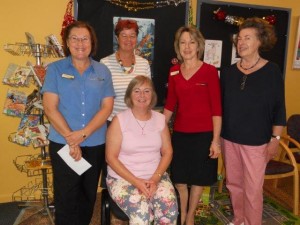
point(276, 137)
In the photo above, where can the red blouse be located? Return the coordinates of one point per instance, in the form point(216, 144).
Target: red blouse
point(197, 99)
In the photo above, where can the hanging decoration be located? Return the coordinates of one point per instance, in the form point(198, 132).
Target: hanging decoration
point(191, 16)
point(132, 5)
point(220, 14)
point(68, 18)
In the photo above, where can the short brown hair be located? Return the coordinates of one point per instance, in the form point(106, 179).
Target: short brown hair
point(126, 24)
point(265, 32)
point(196, 35)
point(138, 81)
point(79, 24)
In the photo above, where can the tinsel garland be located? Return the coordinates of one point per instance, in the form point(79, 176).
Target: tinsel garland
point(132, 5)
point(220, 14)
point(190, 21)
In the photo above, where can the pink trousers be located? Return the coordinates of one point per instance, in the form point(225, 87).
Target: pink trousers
point(245, 169)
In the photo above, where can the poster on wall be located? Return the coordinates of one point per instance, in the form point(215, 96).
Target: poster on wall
point(234, 54)
point(213, 52)
point(296, 63)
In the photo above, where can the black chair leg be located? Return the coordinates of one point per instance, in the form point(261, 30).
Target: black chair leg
point(105, 207)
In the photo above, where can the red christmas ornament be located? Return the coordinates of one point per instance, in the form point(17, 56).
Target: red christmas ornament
point(68, 18)
point(220, 14)
point(270, 19)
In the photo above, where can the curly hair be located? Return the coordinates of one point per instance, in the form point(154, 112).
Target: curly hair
point(265, 32)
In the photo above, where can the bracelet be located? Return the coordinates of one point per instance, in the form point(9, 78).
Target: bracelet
point(83, 135)
point(158, 174)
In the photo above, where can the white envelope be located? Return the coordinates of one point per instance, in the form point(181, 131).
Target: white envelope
point(79, 166)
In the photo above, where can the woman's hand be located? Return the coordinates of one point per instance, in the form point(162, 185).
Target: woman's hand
point(75, 152)
point(272, 148)
point(215, 150)
point(152, 188)
point(75, 138)
point(144, 186)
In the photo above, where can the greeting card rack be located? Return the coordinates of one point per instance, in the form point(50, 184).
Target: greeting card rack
point(39, 164)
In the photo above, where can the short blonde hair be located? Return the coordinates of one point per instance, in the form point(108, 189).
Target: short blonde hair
point(138, 81)
point(195, 34)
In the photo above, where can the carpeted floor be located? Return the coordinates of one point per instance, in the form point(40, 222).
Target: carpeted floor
point(277, 209)
point(9, 212)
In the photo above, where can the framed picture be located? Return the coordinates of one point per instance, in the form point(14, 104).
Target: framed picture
point(296, 61)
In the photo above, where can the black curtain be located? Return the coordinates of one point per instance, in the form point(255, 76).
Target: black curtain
point(100, 13)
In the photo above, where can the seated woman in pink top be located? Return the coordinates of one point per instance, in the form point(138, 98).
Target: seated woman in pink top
point(138, 153)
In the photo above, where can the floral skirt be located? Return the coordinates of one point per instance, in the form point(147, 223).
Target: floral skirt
point(162, 208)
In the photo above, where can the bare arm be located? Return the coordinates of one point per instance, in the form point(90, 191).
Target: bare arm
point(58, 122)
point(168, 114)
point(272, 147)
point(215, 148)
point(50, 103)
point(166, 157)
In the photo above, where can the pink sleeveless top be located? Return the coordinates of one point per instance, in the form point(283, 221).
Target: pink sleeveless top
point(140, 148)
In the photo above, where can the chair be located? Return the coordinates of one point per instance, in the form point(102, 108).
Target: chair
point(108, 207)
point(284, 165)
point(293, 127)
point(293, 131)
point(295, 148)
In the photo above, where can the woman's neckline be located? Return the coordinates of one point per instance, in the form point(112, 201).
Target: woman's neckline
point(194, 69)
point(247, 73)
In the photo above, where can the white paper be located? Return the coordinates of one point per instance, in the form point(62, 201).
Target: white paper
point(79, 166)
point(213, 52)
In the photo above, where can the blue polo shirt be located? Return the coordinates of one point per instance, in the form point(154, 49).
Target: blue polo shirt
point(80, 96)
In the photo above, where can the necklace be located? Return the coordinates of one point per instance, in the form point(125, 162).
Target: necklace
point(142, 127)
point(122, 66)
point(251, 67)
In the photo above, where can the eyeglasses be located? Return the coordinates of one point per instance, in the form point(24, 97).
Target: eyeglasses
point(243, 84)
point(138, 92)
point(83, 40)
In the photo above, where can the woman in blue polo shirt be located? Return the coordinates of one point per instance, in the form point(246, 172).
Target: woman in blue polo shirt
point(78, 98)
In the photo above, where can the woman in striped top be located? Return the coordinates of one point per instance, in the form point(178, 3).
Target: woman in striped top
point(124, 64)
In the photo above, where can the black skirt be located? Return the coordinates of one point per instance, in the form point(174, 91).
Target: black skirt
point(191, 163)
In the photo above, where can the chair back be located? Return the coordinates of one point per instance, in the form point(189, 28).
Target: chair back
point(293, 128)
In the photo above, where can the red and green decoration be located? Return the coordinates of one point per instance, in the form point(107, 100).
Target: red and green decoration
point(222, 15)
point(68, 17)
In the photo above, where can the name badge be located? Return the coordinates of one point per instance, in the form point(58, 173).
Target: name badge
point(67, 76)
point(174, 73)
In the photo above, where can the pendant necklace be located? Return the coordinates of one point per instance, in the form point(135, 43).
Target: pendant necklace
point(251, 67)
point(122, 66)
point(142, 127)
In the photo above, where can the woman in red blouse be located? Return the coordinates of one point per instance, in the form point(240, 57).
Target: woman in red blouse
point(194, 98)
